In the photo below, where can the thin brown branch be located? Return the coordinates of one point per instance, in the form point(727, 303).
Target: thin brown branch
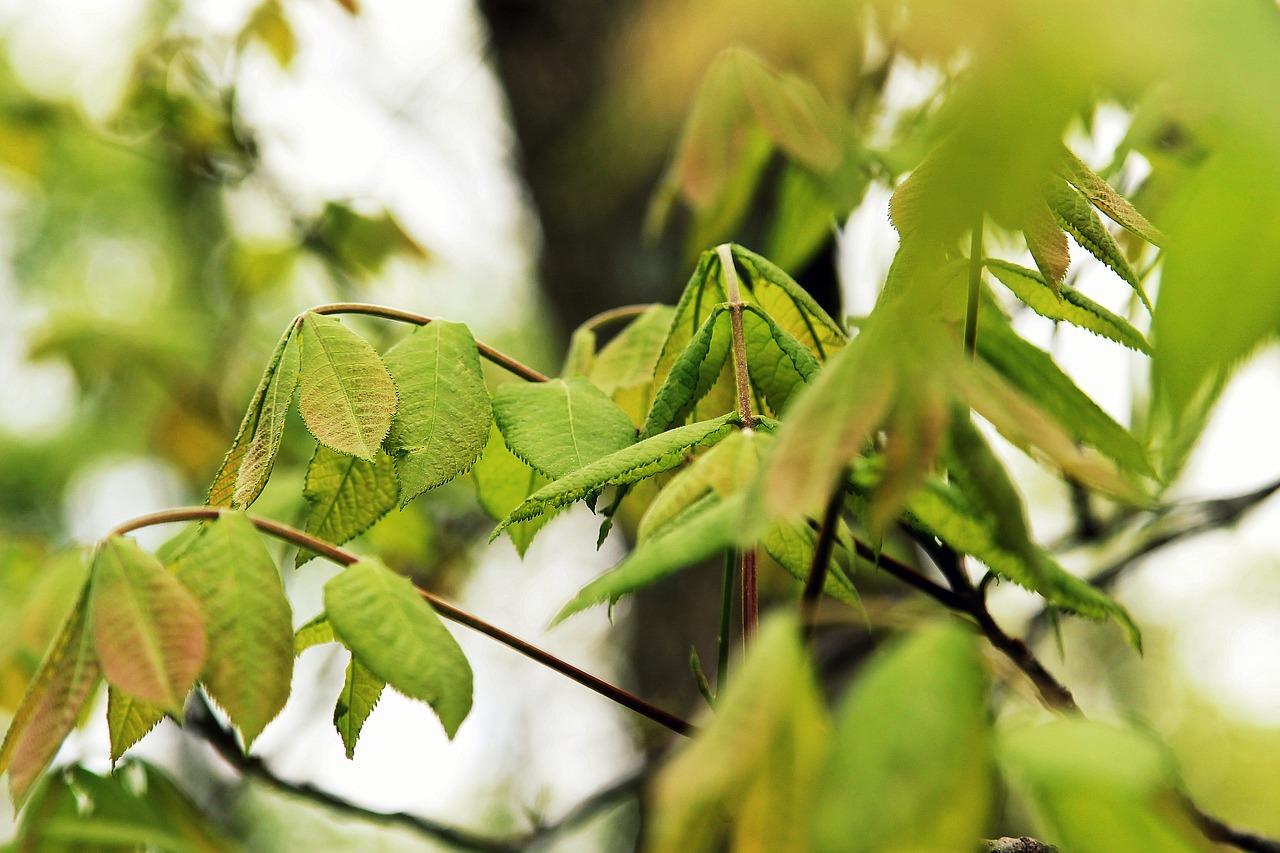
point(616, 315)
point(449, 611)
point(742, 379)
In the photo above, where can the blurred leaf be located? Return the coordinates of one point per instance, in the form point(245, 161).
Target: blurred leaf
point(129, 720)
point(442, 422)
point(347, 397)
point(398, 636)
point(628, 360)
point(347, 495)
point(1078, 218)
point(1097, 789)
point(910, 766)
point(248, 622)
point(1110, 202)
point(503, 482)
point(360, 694)
point(562, 425)
point(726, 468)
point(147, 628)
point(269, 26)
point(363, 244)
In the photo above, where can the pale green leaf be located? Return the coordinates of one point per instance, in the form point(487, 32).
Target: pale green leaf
point(790, 109)
point(696, 539)
point(398, 636)
point(751, 772)
point(792, 548)
point(805, 218)
point(629, 359)
point(129, 720)
point(442, 422)
point(717, 220)
point(911, 766)
point(727, 468)
point(347, 397)
point(248, 463)
point(580, 358)
point(629, 465)
point(1068, 304)
point(562, 425)
point(1047, 244)
point(314, 633)
point(66, 679)
point(248, 622)
point(692, 374)
point(503, 482)
point(1079, 219)
point(790, 305)
point(347, 495)
point(1094, 788)
point(1102, 196)
point(700, 297)
point(778, 363)
point(360, 694)
point(148, 629)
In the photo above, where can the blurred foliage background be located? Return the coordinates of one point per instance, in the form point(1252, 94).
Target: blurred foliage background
point(178, 179)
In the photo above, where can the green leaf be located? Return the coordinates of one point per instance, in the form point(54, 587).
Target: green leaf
point(629, 465)
point(248, 463)
point(716, 221)
point(725, 469)
point(347, 397)
point(629, 359)
point(66, 679)
point(752, 771)
point(792, 547)
point(696, 539)
point(248, 622)
point(790, 305)
point(1094, 788)
point(269, 25)
point(1068, 304)
point(442, 422)
point(910, 766)
point(805, 218)
point(700, 297)
point(360, 694)
point(314, 633)
point(1079, 219)
point(147, 628)
point(347, 495)
point(502, 483)
point(779, 364)
point(1047, 244)
point(581, 355)
point(398, 636)
point(1110, 202)
point(560, 426)
point(1033, 372)
point(129, 720)
point(691, 375)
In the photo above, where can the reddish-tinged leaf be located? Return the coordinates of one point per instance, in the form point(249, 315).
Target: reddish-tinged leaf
point(148, 630)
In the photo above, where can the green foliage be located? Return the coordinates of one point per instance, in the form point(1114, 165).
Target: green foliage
point(560, 426)
point(361, 690)
point(347, 495)
point(129, 720)
point(346, 396)
point(504, 482)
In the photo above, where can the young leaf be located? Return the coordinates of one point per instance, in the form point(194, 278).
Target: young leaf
point(560, 426)
point(1110, 202)
point(1047, 243)
point(387, 625)
point(65, 681)
point(780, 364)
point(628, 360)
point(502, 484)
point(699, 299)
point(347, 495)
point(442, 422)
point(129, 720)
point(147, 628)
point(1078, 218)
point(1068, 304)
point(248, 622)
point(314, 633)
point(629, 465)
point(580, 358)
point(691, 375)
point(792, 547)
point(696, 539)
point(248, 463)
point(1096, 789)
point(360, 694)
point(752, 771)
point(790, 305)
point(910, 766)
point(725, 469)
point(347, 397)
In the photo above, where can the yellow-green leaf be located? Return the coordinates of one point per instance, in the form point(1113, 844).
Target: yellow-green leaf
point(347, 495)
point(360, 694)
point(562, 425)
point(503, 482)
point(347, 397)
point(129, 720)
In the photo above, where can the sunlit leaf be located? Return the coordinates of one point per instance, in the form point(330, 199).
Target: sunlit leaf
point(148, 629)
point(1047, 244)
point(398, 636)
point(727, 468)
point(360, 694)
point(1102, 196)
point(248, 622)
point(790, 305)
point(1079, 219)
point(503, 482)
point(628, 360)
point(347, 495)
point(347, 397)
point(792, 547)
point(129, 720)
point(779, 364)
point(442, 422)
point(562, 425)
point(315, 632)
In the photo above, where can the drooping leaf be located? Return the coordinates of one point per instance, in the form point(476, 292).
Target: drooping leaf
point(314, 633)
point(562, 425)
point(398, 636)
point(65, 681)
point(347, 495)
point(804, 219)
point(1068, 304)
point(248, 463)
point(129, 720)
point(910, 766)
point(1079, 219)
point(442, 423)
point(692, 374)
point(749, 777)
point(1047, 244)
point(696, 539)
point(347, 397)
point(1102, 196)
point(628, 360)
point(779, 364)
point(360, 694)
point(248, 622)
point(792, 548)
point(716, 221)
point(580, 358)
point(629, 465)
point(503, 482)
point(790, 305)
point(725, 469)
point(147, 628)
point(1094, 788)
point(700, 297)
